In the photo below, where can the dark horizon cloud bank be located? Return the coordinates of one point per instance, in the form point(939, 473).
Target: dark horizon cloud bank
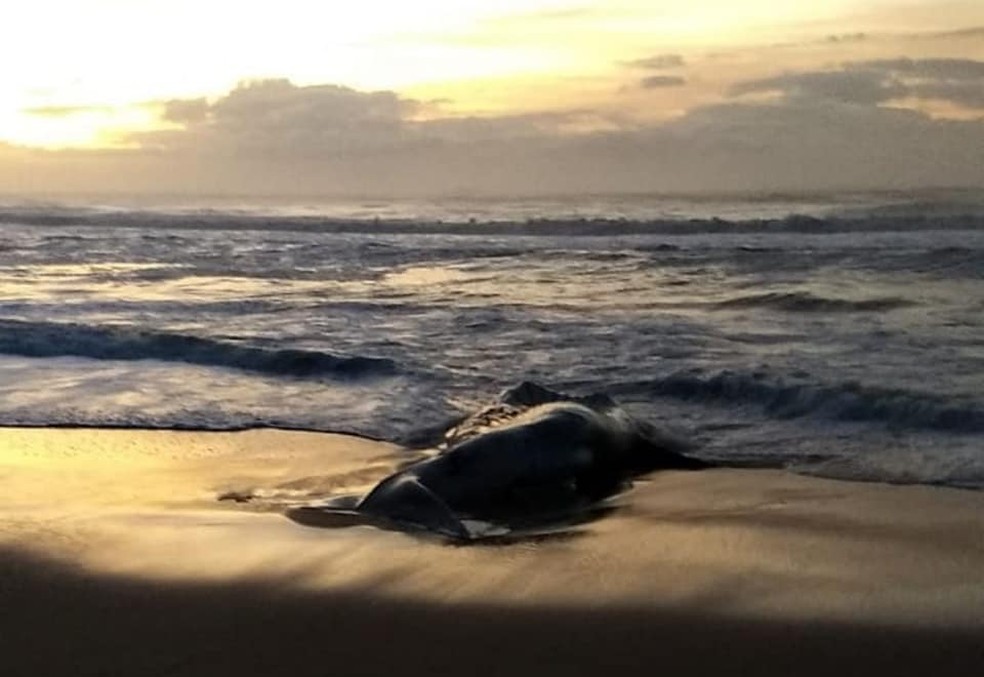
point(958, 81)
point(797, 131)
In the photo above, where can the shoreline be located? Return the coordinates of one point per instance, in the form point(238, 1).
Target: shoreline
point(116, 557)
point(414, 447)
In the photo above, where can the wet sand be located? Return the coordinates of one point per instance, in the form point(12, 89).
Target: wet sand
point(117, 559)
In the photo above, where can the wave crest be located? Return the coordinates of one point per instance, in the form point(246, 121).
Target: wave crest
point(52, 339)
point(848, 401)
point(804, 302)
point(506, 223)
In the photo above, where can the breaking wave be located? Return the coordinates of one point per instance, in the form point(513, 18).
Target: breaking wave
point(244, 220)
point(51, 339)
point(804, 302)
point(848, 401)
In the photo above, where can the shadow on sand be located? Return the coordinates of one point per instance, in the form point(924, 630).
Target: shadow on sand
point(58, 620)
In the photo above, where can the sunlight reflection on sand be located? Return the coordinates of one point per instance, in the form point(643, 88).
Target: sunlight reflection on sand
point(760, 543)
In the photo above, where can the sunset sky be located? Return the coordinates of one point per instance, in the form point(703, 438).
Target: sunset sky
point(475, 97)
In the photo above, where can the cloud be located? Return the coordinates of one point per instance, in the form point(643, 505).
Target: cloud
point(269, 118)
point(826, 130)
point(659, 62)
point(661, 81)
point(968, 95)
point(873, 82)
point(185, 111)
point(799, 144)
point(278, 103)
point(276, 117)
point(930, 69)
point(959, 81)
point(273, 137)
point(973, 32)
point(853, 86)
point(845, 38)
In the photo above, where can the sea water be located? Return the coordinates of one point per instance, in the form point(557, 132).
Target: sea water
point(836, 334)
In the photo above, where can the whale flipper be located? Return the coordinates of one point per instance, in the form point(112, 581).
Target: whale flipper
point(399, 503)
point(403, 499)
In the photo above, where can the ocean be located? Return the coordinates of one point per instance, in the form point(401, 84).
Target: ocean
point(839, 335)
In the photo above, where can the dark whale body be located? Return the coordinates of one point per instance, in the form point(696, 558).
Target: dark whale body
point(514, 465)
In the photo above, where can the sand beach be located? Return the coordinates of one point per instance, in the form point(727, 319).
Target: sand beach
point(116, 558)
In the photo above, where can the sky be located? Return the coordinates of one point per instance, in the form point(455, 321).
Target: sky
point(469, 97)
